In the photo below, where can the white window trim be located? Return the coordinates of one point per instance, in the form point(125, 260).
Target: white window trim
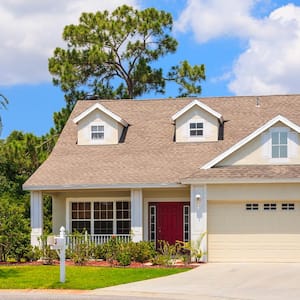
point(97, 141)
point(196, 137)
point(188, 214)
point(279, 159)
point(92, 200)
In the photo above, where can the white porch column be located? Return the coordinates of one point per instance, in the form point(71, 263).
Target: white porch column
point(137, 214)
point(36, 216)
point(199, 216)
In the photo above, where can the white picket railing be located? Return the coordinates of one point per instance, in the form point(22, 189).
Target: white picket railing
point(72, 240)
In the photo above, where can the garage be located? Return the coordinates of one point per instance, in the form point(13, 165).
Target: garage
point(253, 231)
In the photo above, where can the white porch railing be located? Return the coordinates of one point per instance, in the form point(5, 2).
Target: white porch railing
point(72, 240)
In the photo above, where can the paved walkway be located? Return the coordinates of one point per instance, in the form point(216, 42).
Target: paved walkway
point(207, 282)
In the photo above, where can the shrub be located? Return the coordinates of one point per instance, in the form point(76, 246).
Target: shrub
point(98, 251)
point(47, 255)
point(142, 251)
point(111, 249)
point(167, 253)
point(123, 254)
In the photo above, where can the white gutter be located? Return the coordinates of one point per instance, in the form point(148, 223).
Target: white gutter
point(101, 186)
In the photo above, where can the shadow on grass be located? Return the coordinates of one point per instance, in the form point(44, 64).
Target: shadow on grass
point(5, 274)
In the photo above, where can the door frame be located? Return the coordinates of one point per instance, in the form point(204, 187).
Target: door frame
point(156, 204)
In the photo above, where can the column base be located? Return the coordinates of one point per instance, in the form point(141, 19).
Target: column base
point(36, 233)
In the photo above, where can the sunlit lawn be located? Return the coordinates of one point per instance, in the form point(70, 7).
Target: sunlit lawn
point(47, 277)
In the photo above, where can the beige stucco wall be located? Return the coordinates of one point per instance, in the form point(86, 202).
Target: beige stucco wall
point(258, 192)
point(61, 202)
point(258, 151)
point(112, 129)
point(210, 124)
point(166, 193)
point(58, 212)
point(161, 195)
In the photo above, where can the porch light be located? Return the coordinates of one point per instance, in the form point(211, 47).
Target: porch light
point(198, 199)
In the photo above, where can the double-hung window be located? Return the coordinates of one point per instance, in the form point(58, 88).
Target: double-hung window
point(101, 217)
point(279, 144)
point(196, 129)
point(97, 132)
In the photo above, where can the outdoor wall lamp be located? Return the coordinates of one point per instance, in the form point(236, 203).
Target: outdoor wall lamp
point(198, 199)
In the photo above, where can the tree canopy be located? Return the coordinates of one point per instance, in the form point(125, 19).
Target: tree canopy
point(114, 54)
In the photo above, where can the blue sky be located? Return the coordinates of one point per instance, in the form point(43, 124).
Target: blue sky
point(249, 47)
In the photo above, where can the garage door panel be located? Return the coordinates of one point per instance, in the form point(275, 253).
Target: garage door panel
point(237, 235)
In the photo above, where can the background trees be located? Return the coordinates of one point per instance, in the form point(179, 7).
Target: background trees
point(113, 55)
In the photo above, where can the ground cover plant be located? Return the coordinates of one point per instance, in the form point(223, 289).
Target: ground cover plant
point(77, 277)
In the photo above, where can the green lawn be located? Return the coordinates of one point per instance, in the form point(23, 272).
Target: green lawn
point(87, 278)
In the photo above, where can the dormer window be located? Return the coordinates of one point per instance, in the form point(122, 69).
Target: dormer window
point(97, 132)
point(280, 144)
point(92, 123)
point(197, 122)
point(196, 129)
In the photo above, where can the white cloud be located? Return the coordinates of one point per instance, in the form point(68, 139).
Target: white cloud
point(270, 64)
point(31, 29)
point(215, 18)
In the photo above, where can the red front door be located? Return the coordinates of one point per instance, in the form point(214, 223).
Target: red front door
point(169, 219)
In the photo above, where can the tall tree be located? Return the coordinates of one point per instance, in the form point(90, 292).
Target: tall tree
point(3, 103)
point(112, 54)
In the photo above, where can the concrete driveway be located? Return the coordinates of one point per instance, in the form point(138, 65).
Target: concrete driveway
point(207, 282)
point(219, 281)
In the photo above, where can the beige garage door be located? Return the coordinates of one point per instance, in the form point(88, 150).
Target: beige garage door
point(253, 232)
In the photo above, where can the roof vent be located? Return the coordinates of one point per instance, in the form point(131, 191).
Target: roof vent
point(93, 97)
point(257, 102)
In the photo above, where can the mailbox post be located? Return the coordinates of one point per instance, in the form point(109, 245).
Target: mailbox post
point(59, 244)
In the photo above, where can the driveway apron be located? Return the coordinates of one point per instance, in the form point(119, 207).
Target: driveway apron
point(220, 281)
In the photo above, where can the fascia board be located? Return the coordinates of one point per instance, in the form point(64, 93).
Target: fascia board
point(104, 110)
point(100, 186)
point(250, 137)
point(201, 105)
point(239, 180)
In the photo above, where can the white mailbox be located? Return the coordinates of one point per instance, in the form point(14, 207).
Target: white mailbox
point(50, 240)
point(55, 242)
point(58, 243)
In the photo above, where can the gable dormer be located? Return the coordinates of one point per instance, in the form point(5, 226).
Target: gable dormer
point(197, 122)
point(99, 126)
point(276, 142)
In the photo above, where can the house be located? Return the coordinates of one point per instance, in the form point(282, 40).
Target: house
point(174, 169)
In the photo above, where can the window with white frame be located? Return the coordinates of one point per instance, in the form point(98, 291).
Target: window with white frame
point(103, 218)
point(279, 144)
point(152, 229)
point(81, 216)
point(186, 223)
point(97, 132)
point(97, 217)
point(123, 217)
point(196, 129)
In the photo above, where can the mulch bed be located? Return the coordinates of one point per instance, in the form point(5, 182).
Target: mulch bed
point(101, 263)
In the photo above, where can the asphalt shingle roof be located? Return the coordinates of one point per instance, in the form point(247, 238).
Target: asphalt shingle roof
point(149, 155)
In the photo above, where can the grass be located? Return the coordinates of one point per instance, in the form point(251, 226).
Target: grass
point(85, 278)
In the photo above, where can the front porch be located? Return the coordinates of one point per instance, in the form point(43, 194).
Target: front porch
point(129, 214)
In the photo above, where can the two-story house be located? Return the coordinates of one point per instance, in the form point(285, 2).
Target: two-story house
point(173, 169)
